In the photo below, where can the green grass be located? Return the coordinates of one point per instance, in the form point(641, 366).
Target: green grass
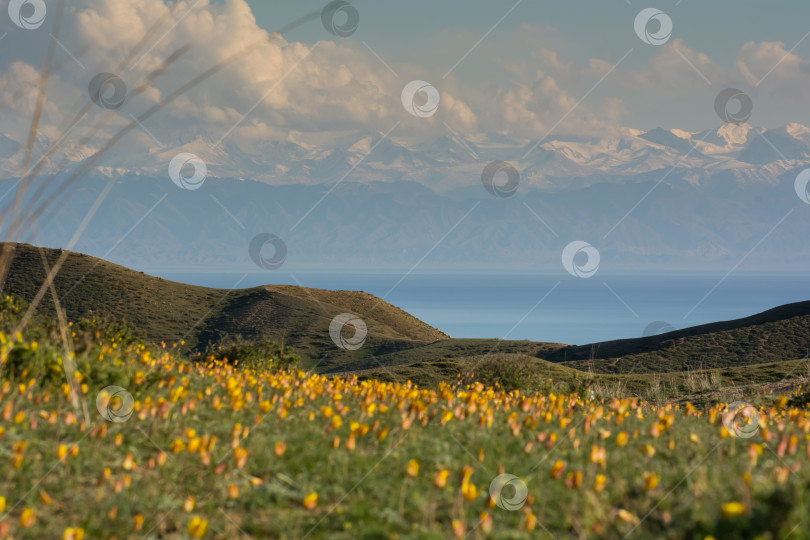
point(673, 479)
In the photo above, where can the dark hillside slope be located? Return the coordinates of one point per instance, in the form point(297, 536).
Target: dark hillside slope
point(779, 334)
point(167, 311)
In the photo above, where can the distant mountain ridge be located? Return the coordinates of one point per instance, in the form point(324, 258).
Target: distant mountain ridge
point(447, 161)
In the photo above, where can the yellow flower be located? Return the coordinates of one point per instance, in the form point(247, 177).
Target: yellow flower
point(557, 469)
point(624, 515)
point(61, 451)
point(598, 455)
point(2, 503)
point(240, 456)
point(197, 527)
point(44, 497)
point(177, 446)
point(188, 504)
point(732, 509)
point(650, 481)
point(310, 501)
point(73, 533)
point(531, 522)
point(485, 522)
point(413, 468)
point(129, 462)
point(27, 518)
point(459, 529)
point(440, 479)
point(193, 445)
point(469, 491)
point(279, 448)
point(599, 483)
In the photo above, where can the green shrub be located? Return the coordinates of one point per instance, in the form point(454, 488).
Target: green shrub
point(257, 354)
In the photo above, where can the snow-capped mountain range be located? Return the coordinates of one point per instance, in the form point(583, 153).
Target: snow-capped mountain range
point(656, 199)
point(447, 162)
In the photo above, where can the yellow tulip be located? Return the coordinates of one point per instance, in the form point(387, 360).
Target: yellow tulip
point(310, 501)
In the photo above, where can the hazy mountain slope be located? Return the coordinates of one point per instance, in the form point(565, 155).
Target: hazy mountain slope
point(693, 220)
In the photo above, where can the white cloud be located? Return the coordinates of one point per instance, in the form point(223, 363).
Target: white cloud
point(331, 87)
point(525, 81)
point(675, 69)
point(773, 69)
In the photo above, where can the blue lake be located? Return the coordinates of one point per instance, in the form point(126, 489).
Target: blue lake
point(546, 307)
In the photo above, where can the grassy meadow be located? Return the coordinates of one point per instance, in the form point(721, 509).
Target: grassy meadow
point(213, 449)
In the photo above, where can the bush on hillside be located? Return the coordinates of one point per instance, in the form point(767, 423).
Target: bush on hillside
point(257, 354)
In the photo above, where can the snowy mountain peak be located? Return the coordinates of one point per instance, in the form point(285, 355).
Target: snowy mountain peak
point(735, 134)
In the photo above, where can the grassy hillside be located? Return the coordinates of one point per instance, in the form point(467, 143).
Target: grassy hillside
point(779, 334)
point(167, 311)
point(399, 346)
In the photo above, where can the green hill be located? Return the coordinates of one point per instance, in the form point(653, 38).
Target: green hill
point(776, 335)
point(163, 310)
point(399, 346)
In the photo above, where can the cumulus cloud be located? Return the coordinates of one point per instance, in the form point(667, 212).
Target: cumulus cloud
point(283, 86)
point(321, 87)
point(770, 67)
point(676, 68)
point(528, 81)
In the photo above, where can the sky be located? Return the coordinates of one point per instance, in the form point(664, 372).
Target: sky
point(529, 69)
point(429, 33)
